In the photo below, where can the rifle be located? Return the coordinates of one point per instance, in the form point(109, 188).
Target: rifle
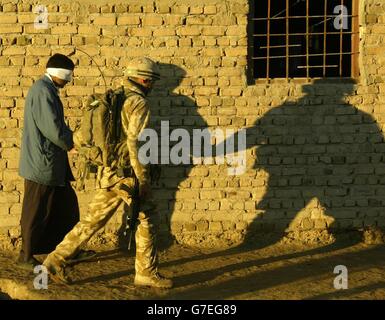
point(132, 218)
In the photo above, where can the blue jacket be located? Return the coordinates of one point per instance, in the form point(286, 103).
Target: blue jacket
point(46, 138)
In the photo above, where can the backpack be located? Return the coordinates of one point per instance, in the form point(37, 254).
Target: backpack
point(101, 130)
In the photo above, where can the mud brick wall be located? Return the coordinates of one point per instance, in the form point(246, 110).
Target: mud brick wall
point(315, 152)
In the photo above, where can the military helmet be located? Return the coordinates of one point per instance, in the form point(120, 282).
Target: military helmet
point(143, 68)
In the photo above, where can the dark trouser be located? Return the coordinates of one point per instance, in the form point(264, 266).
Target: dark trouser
point(48, 214)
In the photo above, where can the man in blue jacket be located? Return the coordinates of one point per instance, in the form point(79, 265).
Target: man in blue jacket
point(50, 208)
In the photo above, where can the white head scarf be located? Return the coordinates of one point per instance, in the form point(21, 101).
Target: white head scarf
point(63, 74)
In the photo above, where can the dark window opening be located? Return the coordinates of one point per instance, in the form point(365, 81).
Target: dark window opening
point(303, 38)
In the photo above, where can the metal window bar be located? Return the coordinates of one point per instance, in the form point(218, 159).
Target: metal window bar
point(287, 38)
point(302, 17)
point(325, 34)
point(304, 55)
point(283, 46)
point(354, 33)
point(303, 34)
point(307, 39)
point(268, 40)
point(341, 42)
point(355, 39)
point(320, 66)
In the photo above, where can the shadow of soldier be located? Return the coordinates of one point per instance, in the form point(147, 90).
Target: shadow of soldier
point(323, 158)
point(172, 110)
point(293, 277)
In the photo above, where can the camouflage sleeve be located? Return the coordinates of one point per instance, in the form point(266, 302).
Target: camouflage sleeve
point(78, 139)
point(133, 123)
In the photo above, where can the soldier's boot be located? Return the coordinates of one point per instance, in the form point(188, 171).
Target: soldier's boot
point(155, 280)
point(82, 255)
point(57, 271)
point(28, 264)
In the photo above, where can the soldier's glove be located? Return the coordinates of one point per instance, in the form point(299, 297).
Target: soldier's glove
point(155, 172)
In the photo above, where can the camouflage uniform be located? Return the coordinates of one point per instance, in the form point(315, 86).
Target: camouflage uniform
point(114, 189)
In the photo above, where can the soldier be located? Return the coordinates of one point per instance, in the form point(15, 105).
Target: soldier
point(120, 185)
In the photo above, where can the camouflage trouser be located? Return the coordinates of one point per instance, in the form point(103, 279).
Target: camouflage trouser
point(101, 209)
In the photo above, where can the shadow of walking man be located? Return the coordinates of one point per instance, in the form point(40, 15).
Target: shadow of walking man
point(323, 161)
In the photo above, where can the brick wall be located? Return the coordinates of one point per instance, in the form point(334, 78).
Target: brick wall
point(314, 151)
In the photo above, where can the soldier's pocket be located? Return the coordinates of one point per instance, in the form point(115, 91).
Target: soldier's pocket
point(126, 187)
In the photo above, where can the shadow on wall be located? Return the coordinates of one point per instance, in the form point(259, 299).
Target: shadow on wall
point(181, 112)
point(318, 152)
point(322, 153)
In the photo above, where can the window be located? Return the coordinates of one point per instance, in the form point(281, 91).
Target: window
point(303, 38)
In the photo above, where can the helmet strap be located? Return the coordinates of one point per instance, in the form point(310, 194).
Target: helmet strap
point(145, 90)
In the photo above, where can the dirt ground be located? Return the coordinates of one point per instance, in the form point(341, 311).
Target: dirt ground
point(279, 271)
